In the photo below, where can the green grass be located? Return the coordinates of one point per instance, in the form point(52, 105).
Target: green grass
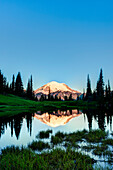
point(44, 134)
point(11, 105)
point(100, 150)
point(38, 145)
point(56, 140)
point(14, 158)
point(96, 136)
point(108, 141)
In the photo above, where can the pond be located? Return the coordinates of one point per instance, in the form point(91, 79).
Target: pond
point(22, 129)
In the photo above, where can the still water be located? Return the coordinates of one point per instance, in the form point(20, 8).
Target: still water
point(22, 129)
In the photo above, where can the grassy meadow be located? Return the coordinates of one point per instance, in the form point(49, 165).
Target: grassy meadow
point(11, 105)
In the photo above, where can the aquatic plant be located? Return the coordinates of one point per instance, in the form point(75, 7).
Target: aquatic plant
point(38, 145)
point(44, 134)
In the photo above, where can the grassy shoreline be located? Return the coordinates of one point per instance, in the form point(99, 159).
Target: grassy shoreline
point(11, 105)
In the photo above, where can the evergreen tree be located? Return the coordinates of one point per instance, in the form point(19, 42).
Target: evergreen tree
point(13, 84)
point(109, 88)
point(28, 89)
point(106, 92)
point(59, 98)
point(7, 89)
point(18, 85)
point(94, 95)
point(78, 98)
point(42, 97)
point(49, 94)
point(88, 92)
point(1, 82)
point(65, 98)
point(5, 85)
point(30, 93)
point(83, 94)
point(70, 97)
point(100, 85)
point(56, 97)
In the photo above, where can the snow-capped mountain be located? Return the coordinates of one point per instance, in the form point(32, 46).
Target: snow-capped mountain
point(59, 89)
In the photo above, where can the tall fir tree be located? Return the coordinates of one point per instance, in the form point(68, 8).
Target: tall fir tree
point(1, 82)
point(70, 97)
point(19, 85)
point(13, 84)
point(5, 84)
point(30, 93)
point(109, 88)
point(100, 85)
point(49, 94)
point(88, 92)
point(106, 92)
point(28, 89)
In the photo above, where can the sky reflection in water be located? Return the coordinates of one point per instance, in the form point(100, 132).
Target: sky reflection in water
point(21, 130)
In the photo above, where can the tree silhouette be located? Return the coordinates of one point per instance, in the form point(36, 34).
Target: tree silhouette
point(1, 82)
point(56, 98)
point(29, 91)
point(70, 97)
point(100, 85)
point(109, 89)
point(18, 85)
point(13, 84)
point(65, 98)
point(49, 94)
point(88, 92)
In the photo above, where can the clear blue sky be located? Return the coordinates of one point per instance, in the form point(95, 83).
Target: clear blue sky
point(60, 40)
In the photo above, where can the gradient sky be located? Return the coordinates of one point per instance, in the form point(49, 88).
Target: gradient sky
point(61, 40)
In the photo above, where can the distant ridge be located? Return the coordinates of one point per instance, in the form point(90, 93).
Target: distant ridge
point(59, 89)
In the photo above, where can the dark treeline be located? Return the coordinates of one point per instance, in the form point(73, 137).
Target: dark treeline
point(51, 97)
point(102, 93)
point(16, 86)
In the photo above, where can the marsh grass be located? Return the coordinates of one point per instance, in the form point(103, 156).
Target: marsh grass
point(96, 136)
point(44, 134)
point(88, 147)
point(56, 140)
point(76, 136)
point(14, 159)
point(100, 150)
point(38, 145)
point(74, 145)
point(108, 141)
point(69, 158)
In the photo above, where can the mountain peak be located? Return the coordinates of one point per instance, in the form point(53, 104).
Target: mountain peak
point(60, 89)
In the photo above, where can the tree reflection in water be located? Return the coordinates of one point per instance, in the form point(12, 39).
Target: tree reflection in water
point(15, 123)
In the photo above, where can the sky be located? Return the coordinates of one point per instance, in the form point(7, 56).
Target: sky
point(60, 40)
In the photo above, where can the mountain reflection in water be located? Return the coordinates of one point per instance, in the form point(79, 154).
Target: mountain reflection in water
point(22, 129)
point(58, 118)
